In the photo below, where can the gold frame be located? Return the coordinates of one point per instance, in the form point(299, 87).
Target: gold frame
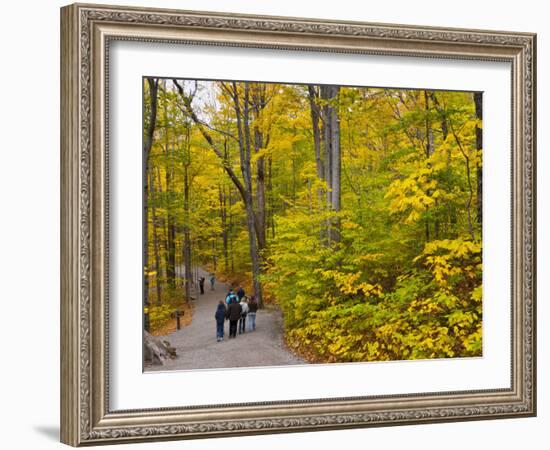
point(86, 31)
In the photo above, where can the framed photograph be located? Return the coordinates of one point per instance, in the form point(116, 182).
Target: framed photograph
point(278, 224)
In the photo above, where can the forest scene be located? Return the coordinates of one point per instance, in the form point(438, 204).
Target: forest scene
point(327, 224)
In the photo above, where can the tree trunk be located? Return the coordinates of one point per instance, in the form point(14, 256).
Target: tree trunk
point(326, 92)
point(170, 225)
point(186, 215)
point(271, 200)
point(333, 159)
point(315, 112)
point(186, 234)
point(147, 145)
point(214, 252)
point(230, 231)
point(428, 124)
point(315, 117)
point(258, 103)
point(163, 232)
point(470, 185)
point(155, 239)
point(444, 132)
point(478, 100)
point(429, 146)
point(441, 111)
point(223, 219)
point(336, 160)
point(260, 190)
point(243, 126)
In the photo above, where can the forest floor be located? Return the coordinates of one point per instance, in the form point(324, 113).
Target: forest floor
point(197, 347)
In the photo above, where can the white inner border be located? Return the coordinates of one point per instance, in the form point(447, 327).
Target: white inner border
point(132, 389)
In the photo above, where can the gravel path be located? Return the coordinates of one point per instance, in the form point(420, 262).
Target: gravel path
point(197, 347)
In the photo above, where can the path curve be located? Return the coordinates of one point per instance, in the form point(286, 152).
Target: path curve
point(197, 347)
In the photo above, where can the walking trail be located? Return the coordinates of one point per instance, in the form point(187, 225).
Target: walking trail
point(197, 347)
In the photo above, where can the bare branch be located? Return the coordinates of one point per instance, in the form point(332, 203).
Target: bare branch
point(225, 162)
point(210, 127)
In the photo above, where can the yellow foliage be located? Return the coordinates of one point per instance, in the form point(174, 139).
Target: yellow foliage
point(347, 283)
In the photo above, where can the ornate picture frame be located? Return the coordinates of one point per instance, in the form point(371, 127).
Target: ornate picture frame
point(87, 31)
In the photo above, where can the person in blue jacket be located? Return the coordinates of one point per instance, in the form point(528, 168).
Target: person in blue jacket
point(230, 296)
point(220, 319)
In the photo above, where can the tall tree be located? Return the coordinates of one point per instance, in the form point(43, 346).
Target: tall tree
point(169, 175)
point(428, 145)
point(259, 98)
point(224, 224)
point(332, 155)
point(147, 144)
point(478, 100)
point(186, 213)
point(155, 236)
point(315, 111)
point(244, 139)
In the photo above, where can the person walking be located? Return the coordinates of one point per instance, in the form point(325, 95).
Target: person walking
point(201, 284)
point(230, 296)
point(212, 281)
point(233, 314)
point(244, 312)
point(220, 319)
point(252, 310)
point(240, 293)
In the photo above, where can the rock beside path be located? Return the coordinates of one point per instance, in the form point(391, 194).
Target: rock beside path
point(156, 350)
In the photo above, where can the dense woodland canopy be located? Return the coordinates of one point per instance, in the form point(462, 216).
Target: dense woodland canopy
point(357, 211)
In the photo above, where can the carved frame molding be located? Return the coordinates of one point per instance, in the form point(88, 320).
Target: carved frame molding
point(87, 31)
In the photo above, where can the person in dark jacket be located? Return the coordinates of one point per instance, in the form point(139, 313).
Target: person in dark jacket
point(233, 315)
point(201, 284)
point(252, 309)
point(220, 319)
point(240, 293)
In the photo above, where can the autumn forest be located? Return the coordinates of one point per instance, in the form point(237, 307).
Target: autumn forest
point(355, 212)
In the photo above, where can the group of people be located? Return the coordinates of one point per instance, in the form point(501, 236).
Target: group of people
point(236, 309)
